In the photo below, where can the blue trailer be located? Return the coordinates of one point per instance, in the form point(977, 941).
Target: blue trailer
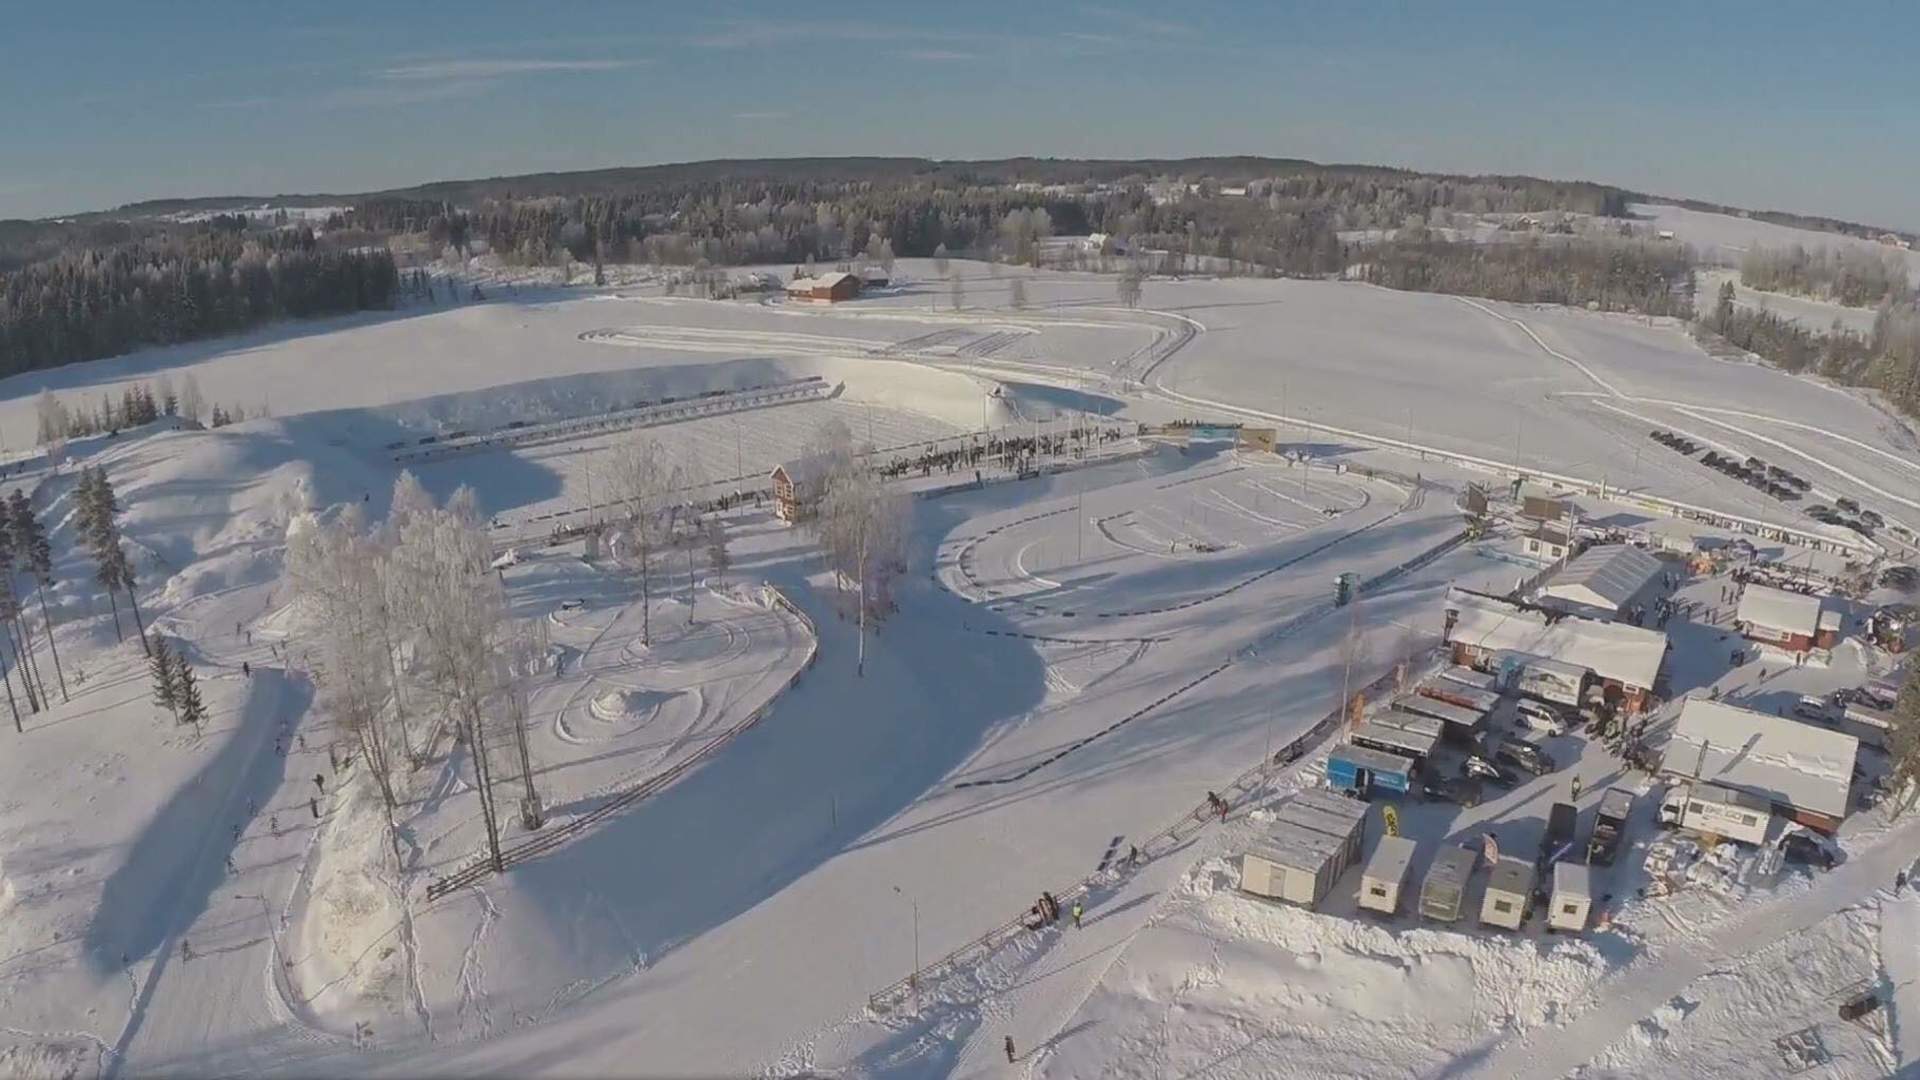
point(1364, 771)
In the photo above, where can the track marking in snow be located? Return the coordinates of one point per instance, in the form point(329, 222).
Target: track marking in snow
point(1548, 349)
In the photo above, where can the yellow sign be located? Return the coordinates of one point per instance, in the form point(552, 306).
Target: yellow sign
point(1392, 818)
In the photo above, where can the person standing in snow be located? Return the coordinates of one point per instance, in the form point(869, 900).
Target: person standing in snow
point(1076, 914)
point(1009, 1049)
point(1899, 883)
point(320, 781)
point(1576, 789)
point(246, 669)
point(273, 823)
point(186, 950)
point(314, 805)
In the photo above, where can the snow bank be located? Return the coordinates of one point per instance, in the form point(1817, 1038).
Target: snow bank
point(1232, 986)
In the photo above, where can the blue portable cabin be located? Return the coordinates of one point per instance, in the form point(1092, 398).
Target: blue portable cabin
point(1364, 771)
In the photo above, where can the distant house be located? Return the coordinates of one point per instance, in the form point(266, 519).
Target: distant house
point(797, 487)
point(830, 288)
point(1605, 582)
point(874, 277)
point(1548, 541)
point(1804, 770)
point(1784, 620)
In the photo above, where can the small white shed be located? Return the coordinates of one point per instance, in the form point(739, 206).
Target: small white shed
point(1509, 892)
point(1572, 901)
point(1385, 875)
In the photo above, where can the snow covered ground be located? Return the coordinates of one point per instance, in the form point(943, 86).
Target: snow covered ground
point(1077, 658)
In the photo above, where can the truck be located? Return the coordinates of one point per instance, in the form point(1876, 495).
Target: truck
point(1363, 771)
point(1558, 840)
point(1717, 811)
point(1609, 826)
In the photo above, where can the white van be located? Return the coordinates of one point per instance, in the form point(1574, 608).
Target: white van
point(1537, 717)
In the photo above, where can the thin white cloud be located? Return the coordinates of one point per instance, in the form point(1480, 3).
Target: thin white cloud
point(236, 104)
point(758, 33)
point(440, 70)
point(380, 94)
point(1136, 23)
point(941, 56)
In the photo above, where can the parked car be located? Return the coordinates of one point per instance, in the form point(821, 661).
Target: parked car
point(1475, 767)
point(1813, 708)
point(1524, 756)
point(1462, 790)
point(1540, 718)
point(1804, 849)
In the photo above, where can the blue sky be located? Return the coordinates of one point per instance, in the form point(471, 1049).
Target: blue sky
point(1803, 107)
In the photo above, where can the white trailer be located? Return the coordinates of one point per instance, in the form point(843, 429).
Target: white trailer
point(1385, 876)
point(1572, 903)
point(1713, 810)
point(1509, 894)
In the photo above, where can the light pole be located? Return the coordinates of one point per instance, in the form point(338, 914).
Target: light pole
point(913, 980)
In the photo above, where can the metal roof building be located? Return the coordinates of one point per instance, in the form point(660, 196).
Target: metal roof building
point(1803, 769)
point(1603, 582)
point(1629, 656)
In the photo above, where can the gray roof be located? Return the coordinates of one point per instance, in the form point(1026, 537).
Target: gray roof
point(1391, 858)
point(1510, 875)
point(1609, 576)
point(1803, 766)
point(1778, 609)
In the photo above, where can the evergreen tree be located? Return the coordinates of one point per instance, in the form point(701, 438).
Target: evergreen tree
point(193, 710)
point(35, 553)
point(166, 685)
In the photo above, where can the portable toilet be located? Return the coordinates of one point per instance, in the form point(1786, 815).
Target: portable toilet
point(1509, 892)
point(1385, 874)
point(1443, 894)
point(1572, 900)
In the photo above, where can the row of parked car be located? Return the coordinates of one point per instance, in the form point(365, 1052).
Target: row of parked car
point(1759, 475)
point(1848, 514)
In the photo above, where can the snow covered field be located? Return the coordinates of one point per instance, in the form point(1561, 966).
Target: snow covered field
point(1076, 659)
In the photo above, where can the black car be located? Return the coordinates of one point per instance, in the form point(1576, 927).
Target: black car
point(1463, 790)
point(1475, 767)
point(1524, 756)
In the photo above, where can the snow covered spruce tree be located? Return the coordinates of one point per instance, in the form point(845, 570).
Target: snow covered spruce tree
point(98, 508)
point(35, 554)
point(186, 687)
point(10, 624)
point(166, 687)
point(718, 557)
point(644, 486)
point(861, 527)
